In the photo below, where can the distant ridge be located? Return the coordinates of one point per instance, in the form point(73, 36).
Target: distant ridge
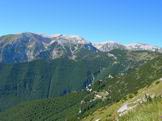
point(25, 47)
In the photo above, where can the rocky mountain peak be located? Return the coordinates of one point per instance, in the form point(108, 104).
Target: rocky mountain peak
point(73, 39)
point(108, 46)
point(142, 46)
point(23, 47)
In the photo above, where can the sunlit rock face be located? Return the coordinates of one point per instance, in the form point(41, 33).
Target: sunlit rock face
point(25, 47)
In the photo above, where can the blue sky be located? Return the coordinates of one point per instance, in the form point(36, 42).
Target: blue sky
point(125, 21)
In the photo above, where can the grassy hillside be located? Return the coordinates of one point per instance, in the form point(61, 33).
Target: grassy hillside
point(147, 111)
point(151, 111)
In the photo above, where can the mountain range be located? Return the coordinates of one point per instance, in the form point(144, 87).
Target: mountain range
point(26, 47)
point(61, 77)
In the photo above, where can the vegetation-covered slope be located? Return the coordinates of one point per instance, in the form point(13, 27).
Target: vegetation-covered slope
point(151, 111)
point(116, 89)
point(133, 102)
point(49, 78)
point(109, 94)
point(59, 108)
point(43, 79)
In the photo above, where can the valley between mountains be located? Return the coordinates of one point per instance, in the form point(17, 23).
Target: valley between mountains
point(67, 78)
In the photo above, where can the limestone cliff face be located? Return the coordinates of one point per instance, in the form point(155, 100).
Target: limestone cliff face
point(27, 47)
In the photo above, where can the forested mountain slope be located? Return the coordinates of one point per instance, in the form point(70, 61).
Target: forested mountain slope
point(109, 92)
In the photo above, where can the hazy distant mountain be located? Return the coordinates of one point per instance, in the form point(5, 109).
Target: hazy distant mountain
point(111, 45)
point(141, 46)
point(108, 46)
